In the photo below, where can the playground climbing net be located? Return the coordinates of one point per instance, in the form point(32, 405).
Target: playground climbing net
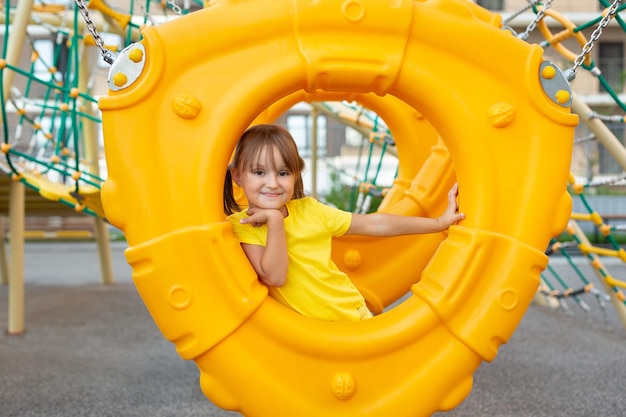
point(557, 286)
point(51, 124)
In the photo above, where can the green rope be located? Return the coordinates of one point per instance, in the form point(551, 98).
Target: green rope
point(591, 256)
point(54, 106)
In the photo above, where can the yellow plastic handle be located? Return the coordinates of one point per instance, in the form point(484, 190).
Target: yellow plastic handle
point(567, 33)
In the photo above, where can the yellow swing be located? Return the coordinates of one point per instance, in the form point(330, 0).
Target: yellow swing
point(180, 98)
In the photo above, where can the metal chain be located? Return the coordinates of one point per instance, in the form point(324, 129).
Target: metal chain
point(146, 14)
point(107, 55)
point(533, 24)
point(607, 181)
point(175, 7)
point(587, 138)
point(571, 73)
point(608, 118)
point(519, 12)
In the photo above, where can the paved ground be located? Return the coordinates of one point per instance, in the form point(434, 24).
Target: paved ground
point(93, 350)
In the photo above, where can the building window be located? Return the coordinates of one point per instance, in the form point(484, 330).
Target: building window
point(45, 58)
point(611, 63)
point(300, 125)
point(607, 163)
point(491, 4)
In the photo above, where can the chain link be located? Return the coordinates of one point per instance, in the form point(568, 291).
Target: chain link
point(175, 7)
point(533, 24)
point(571, 73)
point(107, 55)
point(519, 12)
point(608, 117)
point(587, 138)
point(146, 14)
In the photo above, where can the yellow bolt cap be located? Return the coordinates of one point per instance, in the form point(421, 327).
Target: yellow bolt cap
point(119, 79)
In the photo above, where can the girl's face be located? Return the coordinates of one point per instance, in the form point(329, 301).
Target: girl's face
point(267, 185)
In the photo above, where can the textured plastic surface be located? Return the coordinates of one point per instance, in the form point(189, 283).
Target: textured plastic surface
point(210, 74)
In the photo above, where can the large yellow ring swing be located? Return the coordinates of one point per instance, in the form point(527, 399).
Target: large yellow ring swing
point(180, 98)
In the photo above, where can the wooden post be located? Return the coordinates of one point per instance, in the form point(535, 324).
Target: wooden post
point(16, 263)
point(4, 265)
point(92, 155)
point(601, 131)
point(16, 188)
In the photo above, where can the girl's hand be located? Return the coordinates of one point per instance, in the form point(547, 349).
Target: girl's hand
point(450, 216)
point(258, 217)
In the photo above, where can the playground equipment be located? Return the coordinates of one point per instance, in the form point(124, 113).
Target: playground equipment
point(612, 285)
point(346, 362)
point(378, 137)
point(50, 121)
point(58, 160)
point(483, 275)
point(594, 122)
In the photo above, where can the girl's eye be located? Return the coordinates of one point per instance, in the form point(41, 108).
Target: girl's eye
point(283, 173)
point(257, 172)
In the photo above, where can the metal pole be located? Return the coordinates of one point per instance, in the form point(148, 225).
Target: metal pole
point(314, 135)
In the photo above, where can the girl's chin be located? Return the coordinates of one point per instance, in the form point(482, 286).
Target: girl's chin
point(274, 202)
point(270, 205)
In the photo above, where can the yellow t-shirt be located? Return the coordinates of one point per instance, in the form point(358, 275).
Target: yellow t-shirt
point(315, 286)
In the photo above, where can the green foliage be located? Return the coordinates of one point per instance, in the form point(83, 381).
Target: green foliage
point(116, 235)
point(345, 196)
point(607, 190)
point(340, 195)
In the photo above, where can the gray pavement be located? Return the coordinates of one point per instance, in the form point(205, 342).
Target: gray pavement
point(93, 350)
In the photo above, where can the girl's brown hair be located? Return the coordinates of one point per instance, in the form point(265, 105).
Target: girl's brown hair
point(250, 146)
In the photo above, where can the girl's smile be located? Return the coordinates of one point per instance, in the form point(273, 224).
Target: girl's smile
point(268, 184)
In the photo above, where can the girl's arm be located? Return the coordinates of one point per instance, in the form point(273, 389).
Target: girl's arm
point(269, 262)
point(382, 224)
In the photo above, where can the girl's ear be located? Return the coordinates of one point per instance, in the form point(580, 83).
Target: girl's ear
point(235, 176)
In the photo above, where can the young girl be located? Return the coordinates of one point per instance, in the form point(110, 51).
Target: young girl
point(287, 237)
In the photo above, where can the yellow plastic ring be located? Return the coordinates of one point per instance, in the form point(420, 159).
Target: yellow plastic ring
point(510, 145)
